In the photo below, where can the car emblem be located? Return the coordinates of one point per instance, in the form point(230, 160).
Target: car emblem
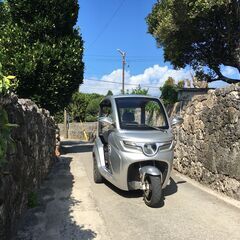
point(150, 149)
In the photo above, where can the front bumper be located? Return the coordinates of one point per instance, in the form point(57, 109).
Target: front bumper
point(126, 174)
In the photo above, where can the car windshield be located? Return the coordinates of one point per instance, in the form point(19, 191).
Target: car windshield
point(139, 113)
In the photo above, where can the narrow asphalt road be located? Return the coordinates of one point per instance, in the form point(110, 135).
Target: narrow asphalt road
point(73, 207)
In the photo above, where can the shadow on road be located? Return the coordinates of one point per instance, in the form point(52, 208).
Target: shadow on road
point(126, 194)
point(52, 218)
point(171, 189)
point(77, 147)
point(72, 142)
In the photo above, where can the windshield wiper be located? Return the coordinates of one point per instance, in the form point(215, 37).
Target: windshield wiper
point(156, 128)
point(130, 124)
point(135, 125)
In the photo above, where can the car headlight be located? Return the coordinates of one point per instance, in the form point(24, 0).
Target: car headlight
point(165, 145)
point(129, 144)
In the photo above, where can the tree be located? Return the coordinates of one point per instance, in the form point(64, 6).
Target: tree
point(109, 93)
point(93, 109)
point(203, 34)
point(139, 91)
point(77, 107)
point(181, 84)
point(40, 46)
point(169, 91)
point(84, 106)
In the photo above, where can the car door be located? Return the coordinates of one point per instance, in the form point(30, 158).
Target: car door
point(108, 132)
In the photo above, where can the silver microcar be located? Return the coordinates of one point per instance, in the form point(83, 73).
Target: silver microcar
point(134, 145)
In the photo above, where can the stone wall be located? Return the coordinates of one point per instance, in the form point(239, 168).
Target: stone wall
point(208, 142)
point(28, 161)
point(75, 130)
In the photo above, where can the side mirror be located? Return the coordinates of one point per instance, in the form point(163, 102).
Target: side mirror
point(106, 120)
point(177, 120)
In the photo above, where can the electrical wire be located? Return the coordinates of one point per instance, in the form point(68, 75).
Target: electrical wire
point(113, 56)
point(130, 59)
point(117, 60)
point(127, 84)
point(108, 23)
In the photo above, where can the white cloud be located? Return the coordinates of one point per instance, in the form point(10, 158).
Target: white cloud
point(153, 76)
point(105, 83)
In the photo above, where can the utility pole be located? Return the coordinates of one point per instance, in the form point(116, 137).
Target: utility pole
point(123, 67)
point(65, 124)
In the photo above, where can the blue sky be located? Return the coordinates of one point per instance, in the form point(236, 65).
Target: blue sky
point(108, 25)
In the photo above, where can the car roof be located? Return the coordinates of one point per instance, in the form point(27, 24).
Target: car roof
point(129, 96)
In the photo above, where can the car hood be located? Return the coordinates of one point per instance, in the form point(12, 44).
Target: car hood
point(146, 136)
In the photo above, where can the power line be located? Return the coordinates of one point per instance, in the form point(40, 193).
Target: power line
point(129, 84)
point(106, 87)
point(108, 22)
point(114, 56)
point(105, 58)
point(128, 60)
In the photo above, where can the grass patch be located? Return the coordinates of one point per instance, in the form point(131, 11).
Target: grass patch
point(32, 200)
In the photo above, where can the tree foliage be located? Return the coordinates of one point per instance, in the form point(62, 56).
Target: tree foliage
point(170, 90)
point(202, 33)
point(77, 107)
point(93, 109)
point(139, 91)
point(40, 45)
point(7, 85)
point(109, 93)
point(84, 107)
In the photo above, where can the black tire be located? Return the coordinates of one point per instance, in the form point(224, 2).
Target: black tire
point(153, 196)
point(97, 177)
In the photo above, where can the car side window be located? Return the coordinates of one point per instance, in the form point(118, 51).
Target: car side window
point(105, 111)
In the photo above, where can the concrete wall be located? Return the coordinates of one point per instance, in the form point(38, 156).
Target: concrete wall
point(186, 94)
point(75, 130)
point(208, 142)
point(28, 162)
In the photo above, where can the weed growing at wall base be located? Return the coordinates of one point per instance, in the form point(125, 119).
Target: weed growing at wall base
point(32, 200)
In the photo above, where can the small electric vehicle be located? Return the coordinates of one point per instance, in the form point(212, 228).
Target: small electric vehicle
point(134, 145)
